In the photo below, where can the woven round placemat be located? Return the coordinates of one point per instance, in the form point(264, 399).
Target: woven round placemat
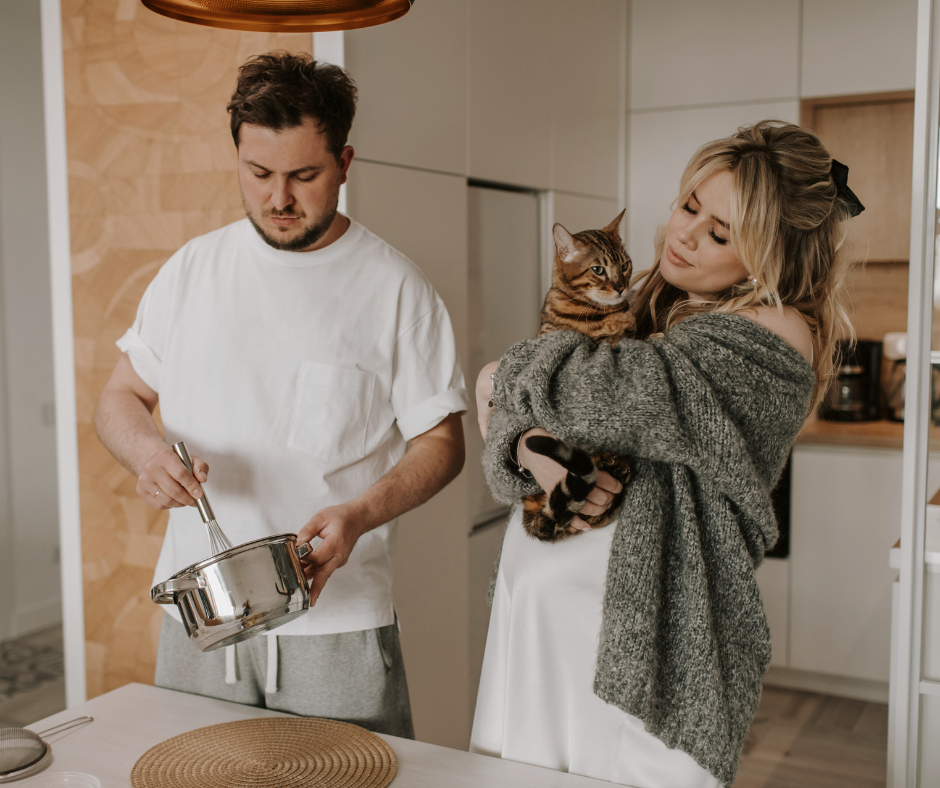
point(271, 752)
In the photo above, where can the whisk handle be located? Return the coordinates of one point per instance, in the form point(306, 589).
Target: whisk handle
point(202, 504)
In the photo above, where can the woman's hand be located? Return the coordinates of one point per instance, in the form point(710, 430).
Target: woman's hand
point(484, 393)
point(548, 474)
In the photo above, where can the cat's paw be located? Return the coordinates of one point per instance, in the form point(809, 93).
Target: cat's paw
point(621, 468)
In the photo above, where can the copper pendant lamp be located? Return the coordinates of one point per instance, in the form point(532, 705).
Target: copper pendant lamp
point(283, 16)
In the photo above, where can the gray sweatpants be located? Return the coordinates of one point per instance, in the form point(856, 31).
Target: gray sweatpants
point(356, 677)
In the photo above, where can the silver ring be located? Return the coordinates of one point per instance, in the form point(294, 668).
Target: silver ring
point(158, 492)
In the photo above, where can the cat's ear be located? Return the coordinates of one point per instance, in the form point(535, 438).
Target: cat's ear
point(614, 227)
point(567, 246)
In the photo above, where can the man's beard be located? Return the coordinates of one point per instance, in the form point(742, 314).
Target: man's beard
point(308, 237)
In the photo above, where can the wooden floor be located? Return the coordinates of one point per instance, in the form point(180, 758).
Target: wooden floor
point(801, 740)
point(32, 684)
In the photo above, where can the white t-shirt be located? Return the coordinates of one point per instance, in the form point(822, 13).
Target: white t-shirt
point(299, 377)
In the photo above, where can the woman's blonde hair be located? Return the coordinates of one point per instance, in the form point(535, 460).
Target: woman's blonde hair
point(787, 229)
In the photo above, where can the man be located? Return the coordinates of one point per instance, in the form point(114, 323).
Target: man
point(296, 353)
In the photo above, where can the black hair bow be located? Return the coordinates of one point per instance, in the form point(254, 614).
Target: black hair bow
point(840, 174)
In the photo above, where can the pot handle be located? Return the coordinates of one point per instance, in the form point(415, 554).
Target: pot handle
point(303, 550)
point(165, 593)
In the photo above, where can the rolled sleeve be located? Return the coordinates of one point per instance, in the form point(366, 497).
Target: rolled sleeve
point(145, 362)
point(145, 341)
point(428, 382)
point(432, 412)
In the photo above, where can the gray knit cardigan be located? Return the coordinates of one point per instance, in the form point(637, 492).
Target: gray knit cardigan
point(708, 412)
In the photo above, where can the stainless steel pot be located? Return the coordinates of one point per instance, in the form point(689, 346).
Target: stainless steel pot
point(239, 593)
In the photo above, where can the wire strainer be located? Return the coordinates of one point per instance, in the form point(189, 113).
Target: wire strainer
point(21, 750)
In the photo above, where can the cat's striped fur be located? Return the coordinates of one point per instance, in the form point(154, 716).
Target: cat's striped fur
point(590, 280)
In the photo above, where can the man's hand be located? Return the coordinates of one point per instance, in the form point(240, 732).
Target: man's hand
point(124, 420)
point(340, 528)
point(164, 482)
point(433, 460)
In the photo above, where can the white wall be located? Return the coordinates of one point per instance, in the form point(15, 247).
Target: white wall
point(700, 70)
point(29, 576)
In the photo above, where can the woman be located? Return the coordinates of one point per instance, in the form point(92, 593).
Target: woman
point(635, 653)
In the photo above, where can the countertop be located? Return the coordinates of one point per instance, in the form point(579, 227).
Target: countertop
point(881, 434)
point(130, 720)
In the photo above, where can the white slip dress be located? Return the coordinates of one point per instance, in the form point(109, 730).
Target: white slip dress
point(536, 702)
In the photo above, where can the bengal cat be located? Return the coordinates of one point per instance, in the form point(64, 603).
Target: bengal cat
point(590, 283)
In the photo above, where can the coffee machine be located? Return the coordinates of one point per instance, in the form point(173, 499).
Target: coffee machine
point(854, 394)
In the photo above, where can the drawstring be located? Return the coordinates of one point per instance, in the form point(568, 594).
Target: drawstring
point(231, 672)
point(271, 687)
point(230, 675)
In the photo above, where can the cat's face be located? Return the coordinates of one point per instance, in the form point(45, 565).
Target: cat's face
point(593, 263)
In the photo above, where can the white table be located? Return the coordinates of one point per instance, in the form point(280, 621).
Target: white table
point(132, 719)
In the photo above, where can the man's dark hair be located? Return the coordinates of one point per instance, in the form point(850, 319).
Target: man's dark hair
point(279, 91)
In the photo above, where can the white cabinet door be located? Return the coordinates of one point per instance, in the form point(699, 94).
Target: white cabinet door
point(412, 76)
point(685, 53)
point(858, 46)
point(576, 213)
point(773, 578)
point(425, 216)
point(588, 97)
point(509, 83)
point(845, 517)
point(505, 300)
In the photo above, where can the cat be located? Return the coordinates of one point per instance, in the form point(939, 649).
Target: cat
point(590, 283)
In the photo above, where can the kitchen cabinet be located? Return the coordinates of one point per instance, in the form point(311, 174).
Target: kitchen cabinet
point(845, 509)
point(509, 92)
point(545, 100)
point(686, 53)
point(829, 603)
point(505, 298)
point(839, 38)
point(773, 578)
point(424, 124)
point(424, 215)
point(524, 92)
point(589, 97)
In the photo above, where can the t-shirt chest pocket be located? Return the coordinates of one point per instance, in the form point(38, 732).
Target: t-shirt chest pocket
point(331, 412)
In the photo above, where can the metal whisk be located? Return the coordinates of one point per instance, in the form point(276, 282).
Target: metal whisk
point(218, 542)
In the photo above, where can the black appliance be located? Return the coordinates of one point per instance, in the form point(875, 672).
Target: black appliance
point(855, 389)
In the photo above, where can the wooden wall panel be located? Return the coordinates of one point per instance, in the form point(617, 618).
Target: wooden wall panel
point(151, 165)
point(874, 135)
